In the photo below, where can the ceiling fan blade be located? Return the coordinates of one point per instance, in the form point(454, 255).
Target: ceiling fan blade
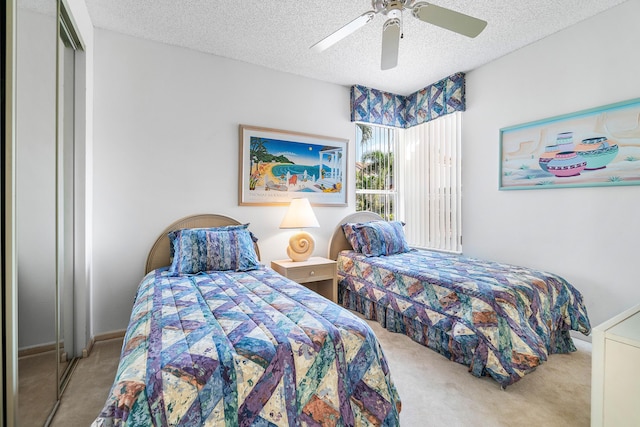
point(343, 32)
point(390, 43)
point(449, 19)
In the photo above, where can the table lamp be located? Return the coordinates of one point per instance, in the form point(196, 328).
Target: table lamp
point(300, 215)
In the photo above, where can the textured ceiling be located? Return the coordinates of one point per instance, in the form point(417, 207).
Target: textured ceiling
point(277, 34)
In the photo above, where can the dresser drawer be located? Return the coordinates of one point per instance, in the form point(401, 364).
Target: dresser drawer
point(311, 273)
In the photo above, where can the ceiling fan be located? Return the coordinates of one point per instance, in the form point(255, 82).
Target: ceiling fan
point(392, 28)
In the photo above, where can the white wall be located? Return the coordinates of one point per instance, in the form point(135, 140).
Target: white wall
point(587, 235)
point(166, 146)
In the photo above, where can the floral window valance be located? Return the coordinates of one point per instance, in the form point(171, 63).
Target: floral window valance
point(384, 108)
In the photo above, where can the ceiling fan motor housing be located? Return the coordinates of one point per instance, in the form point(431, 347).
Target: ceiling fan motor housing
point(387, 6)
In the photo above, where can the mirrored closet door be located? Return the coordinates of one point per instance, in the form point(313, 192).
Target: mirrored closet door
point(36, 210)
point(45, 146)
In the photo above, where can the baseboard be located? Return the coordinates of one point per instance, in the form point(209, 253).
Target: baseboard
point(579, 336)
point(37, 349)
point(102, 337)
point(87, 351)
point(110, 335)
point(583, 345)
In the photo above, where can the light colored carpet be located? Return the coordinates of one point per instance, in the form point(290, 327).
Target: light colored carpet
point(37, 388)
point(438, 392)
point(89, 386)
point(434, 390)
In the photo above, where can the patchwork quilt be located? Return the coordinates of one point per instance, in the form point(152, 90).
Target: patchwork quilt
point(246, 349)
point(498, 319)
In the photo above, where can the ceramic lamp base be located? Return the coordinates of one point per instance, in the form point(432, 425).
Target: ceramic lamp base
point(301, 246)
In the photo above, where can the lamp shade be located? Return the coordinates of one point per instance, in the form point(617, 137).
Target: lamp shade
point(299, 215)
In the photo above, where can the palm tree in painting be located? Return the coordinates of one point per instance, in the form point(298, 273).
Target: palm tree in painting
point(257, 152)
point(257, 149)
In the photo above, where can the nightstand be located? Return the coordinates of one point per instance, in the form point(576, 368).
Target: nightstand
point(317, 273)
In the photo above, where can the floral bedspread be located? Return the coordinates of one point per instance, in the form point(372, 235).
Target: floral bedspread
point(498, 319)
point(246, 349)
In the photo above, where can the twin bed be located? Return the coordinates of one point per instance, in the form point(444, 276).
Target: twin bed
point(213, 343)
point(241, 348)
point(500, 320)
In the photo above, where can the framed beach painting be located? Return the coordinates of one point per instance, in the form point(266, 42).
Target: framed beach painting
point(595, 147)
point(278, 165)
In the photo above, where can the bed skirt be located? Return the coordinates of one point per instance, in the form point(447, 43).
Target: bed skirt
point(468, 350)
point(438, 339)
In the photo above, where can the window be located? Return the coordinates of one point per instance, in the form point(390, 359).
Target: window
point(414, 175)
point(375, 153)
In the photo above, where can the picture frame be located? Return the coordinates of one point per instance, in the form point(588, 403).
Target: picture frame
point(279, 165)
point(589, 148)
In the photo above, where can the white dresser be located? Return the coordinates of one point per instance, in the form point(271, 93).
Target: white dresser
point(615, 371)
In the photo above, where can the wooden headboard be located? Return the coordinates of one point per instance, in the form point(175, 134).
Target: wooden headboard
point(159, 256)
point(338, 242)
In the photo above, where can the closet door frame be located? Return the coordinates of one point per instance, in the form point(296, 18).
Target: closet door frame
point(8, 293)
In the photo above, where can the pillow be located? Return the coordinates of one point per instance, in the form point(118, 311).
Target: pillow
point(376, 238)
point(212, 249)
point(172, 234)
point(351, 233)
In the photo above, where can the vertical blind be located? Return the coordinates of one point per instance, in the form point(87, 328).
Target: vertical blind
point(431, 184)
